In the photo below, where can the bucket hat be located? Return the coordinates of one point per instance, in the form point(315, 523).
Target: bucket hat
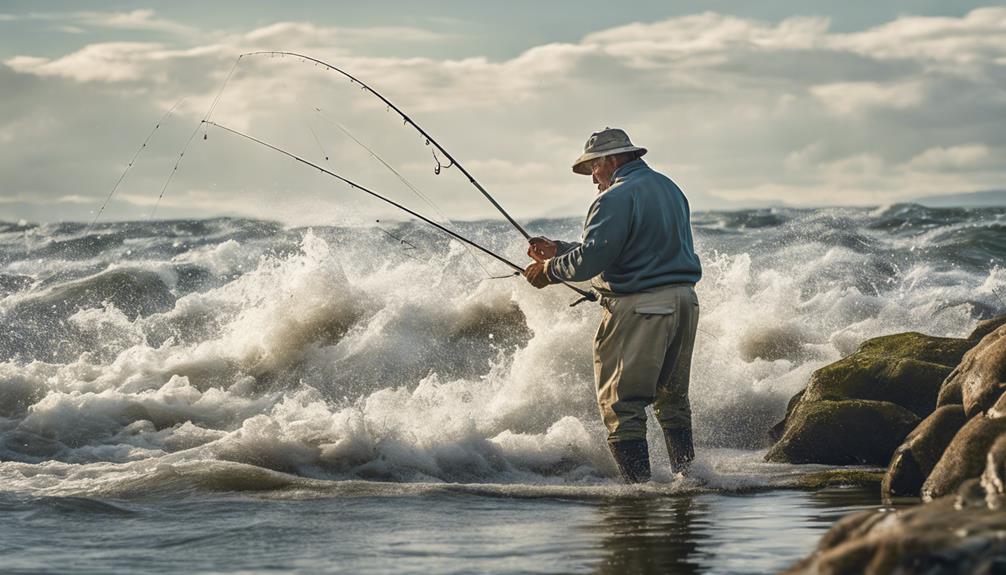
point(607, 142)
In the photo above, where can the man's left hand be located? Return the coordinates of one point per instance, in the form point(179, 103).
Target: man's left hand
point(535, 275)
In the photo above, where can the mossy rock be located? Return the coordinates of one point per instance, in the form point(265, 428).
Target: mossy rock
point(778, 429)
point(915, 459)
point(965, 458)
point(946, 351)
point(907, 369)
point(843, 433)
point(839, 477)
point(907, 382)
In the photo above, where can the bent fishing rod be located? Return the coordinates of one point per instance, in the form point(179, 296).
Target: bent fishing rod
point(409, 121)
point(584, 295)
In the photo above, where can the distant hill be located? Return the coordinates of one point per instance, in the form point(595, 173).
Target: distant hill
point(967, 200)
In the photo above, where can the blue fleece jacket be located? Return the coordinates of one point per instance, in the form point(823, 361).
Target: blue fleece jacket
point(637, 237)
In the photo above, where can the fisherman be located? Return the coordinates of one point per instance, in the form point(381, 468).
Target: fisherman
point(637, 250)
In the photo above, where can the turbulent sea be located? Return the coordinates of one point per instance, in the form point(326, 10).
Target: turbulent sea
point(237, 395)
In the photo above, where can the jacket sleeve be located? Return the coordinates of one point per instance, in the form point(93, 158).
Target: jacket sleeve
point(563, 247)
point(604, 235)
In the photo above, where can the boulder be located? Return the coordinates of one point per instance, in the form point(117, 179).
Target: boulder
point(950, 391)
point(843, 433)
point(993, 480)
point(981, 375)
point(986, 327)
point(917, 456)
point(953, 535)
point(907, 369)
point(930, 349)
point(907, 382)
point(998, 409)
point(775, 434)
point(965, 457)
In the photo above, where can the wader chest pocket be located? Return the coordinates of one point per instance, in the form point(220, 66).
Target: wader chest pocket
point(654, 310)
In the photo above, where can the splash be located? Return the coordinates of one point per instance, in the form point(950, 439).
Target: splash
point(233, 354)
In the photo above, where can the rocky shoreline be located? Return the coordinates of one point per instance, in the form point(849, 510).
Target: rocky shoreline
point(933, 410)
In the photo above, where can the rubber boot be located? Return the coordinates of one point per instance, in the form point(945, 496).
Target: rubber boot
point(679, 448)
point(633, 460)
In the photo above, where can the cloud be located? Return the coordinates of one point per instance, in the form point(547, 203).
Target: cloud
point(970, 156)
point(146, 20)
point(855, 97)
point(304, 33)
point(970, 43)
point(734, 109)
point(135, 20)
point(111, 62)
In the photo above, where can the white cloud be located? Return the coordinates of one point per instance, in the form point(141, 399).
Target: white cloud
point(304, 33)
point(731, 107)
point(854, 97)
point(135, 20)
point(107, 62)
point(973, 40)
point(968, 156)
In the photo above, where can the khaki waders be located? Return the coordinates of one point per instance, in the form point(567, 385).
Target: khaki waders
point(642, 356)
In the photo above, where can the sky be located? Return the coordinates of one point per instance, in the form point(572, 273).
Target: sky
point(744, 104)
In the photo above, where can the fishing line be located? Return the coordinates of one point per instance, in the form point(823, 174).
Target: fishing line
point(192, 136)
point(402, 241)
point(129, 166)
point(407, 120)
point(429, 202)
point(585, 295)
point(314, 134)
point(318, 141)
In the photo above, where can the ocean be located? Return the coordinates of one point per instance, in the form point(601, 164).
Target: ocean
point(236, 395)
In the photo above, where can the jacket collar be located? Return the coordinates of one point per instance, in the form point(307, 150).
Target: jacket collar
point(628, 168)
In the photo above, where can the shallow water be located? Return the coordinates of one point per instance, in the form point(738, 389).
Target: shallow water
point(431, 533)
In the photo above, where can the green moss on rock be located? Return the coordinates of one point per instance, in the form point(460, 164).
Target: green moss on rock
point(843, 433)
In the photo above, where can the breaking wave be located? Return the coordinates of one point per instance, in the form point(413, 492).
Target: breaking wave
point(241, 354)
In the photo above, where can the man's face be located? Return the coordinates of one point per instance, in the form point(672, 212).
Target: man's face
point(601, 171)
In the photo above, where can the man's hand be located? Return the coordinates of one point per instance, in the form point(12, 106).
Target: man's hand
point(541, 249)
point(536, 275)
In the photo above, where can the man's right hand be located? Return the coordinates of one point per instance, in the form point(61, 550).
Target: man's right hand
point(542, 249)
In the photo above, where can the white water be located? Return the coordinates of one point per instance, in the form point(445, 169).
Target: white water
point(324, 358)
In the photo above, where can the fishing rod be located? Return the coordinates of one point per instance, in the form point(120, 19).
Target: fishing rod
point(444, 219)
point(584, 295)
point(429, 139)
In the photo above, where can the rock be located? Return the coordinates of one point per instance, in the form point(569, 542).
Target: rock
point(917, 456)
point(939, 537)
point(930, 349)
point(907, 369)
point(993, 480)
point(998, 409)
point(910, 383)
point(950, 391)
point(965, 457)
point(840, 476)
point(986, 327)
point(777, 430)
point(981, 375)
point(843, 432)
